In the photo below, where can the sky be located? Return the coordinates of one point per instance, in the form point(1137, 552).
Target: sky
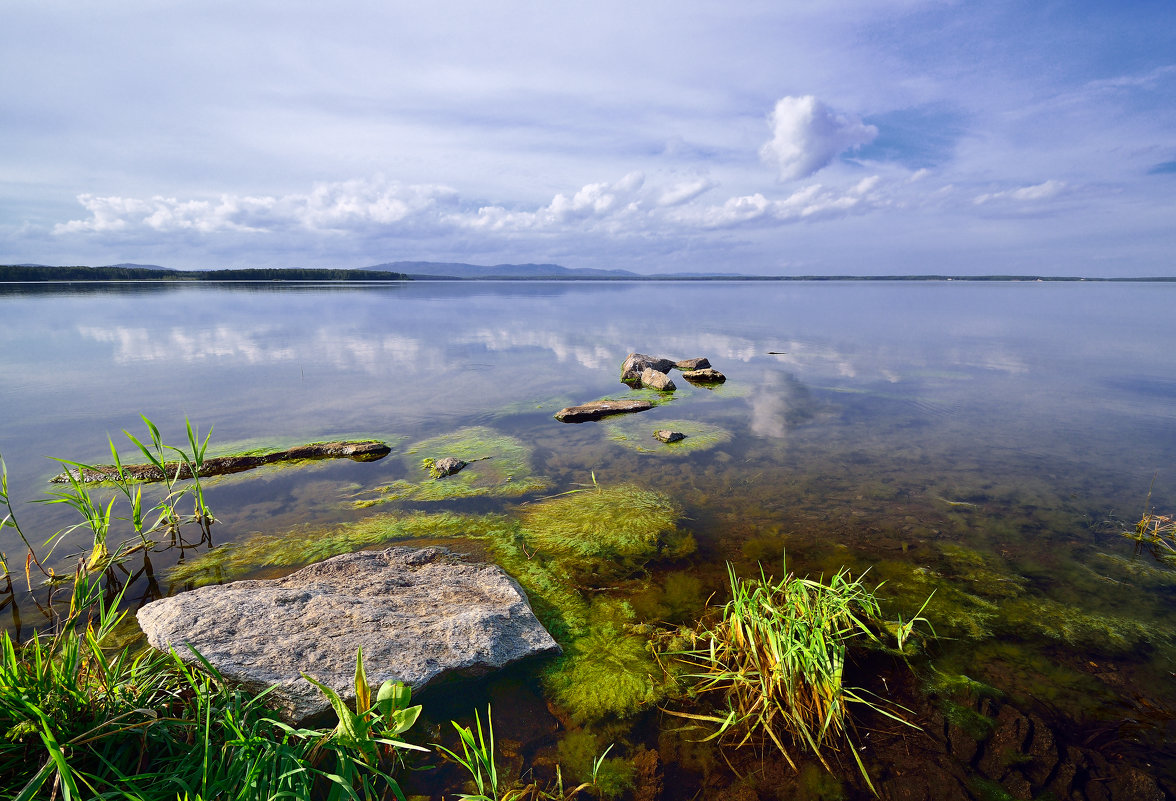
point(782, 137)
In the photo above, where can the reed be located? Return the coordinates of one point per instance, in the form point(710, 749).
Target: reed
point(775, 655)
point(1155, 534)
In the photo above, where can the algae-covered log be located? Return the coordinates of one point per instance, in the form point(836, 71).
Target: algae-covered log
point(360, 451)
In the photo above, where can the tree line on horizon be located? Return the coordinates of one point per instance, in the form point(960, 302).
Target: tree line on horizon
point(17, 273)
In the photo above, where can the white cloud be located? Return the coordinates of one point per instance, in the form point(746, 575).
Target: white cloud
point(1042, 191)
point(807, 135)
point(810, 203)
point(342, 205)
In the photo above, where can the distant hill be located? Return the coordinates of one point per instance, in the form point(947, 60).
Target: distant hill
point(458, 270)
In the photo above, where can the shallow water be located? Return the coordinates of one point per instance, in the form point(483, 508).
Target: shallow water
point(985, 441)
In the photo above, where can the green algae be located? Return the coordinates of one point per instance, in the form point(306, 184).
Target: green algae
point(606, 533)
point(499, 466)
point(303, 546)
point(679, 597)
point(1079, 628)
point(607, 672)
point(578, 752)
point(637, 433)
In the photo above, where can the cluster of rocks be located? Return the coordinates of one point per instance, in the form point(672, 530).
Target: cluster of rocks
point(649, 372)
point(652, 372)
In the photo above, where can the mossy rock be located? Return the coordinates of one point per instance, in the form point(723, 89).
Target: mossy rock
point(637, 433)
point(607, 532)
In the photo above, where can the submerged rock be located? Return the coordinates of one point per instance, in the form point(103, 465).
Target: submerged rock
point(595, 410)
point(439, 468)
point(637, 362)
point(704, 376)
point(418, 613)
point(654, 379)
point(361, 451)
point(668, 436)
point(701, 363)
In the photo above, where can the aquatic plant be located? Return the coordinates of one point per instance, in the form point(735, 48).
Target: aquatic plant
point(776, 657)
point(606, 533)
point(478, 758)
point(608, 672)
point(1155, 534)
point(580, 755)
point(636, 433)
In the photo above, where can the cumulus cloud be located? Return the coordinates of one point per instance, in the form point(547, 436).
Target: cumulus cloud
point(807, 135)
point(1042, 191)
point(811, 203)
point(342, 205)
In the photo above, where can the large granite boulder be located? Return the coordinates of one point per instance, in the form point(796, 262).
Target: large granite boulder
point(636, 362)
point(418, 613)
point(594, 410)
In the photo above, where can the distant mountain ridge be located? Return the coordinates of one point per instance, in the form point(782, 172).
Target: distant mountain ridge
point(460, 270)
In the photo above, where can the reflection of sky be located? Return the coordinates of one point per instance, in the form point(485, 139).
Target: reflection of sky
point(315, 353)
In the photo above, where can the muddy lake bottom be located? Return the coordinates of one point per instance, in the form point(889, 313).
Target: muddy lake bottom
point(984, 446)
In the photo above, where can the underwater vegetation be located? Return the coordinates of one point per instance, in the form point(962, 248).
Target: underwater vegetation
point(602, 534)
point(303, 546)
point(1157, 535)
point(636, 433)
point(499, 466)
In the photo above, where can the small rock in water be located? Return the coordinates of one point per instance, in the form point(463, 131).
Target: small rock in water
point(444, 467)
point(705, 376)
point(636, 362)
point(700, 363)
point(656, 380)
point(667, 436)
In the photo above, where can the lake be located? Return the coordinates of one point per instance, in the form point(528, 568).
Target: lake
point(984, 442)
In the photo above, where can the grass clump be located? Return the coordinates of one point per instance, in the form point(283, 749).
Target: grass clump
point(636, 433)
point(776, 655)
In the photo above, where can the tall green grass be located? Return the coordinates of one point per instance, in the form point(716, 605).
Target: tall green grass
point(775, 655)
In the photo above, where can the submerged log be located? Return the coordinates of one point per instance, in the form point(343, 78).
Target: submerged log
point(360, 451)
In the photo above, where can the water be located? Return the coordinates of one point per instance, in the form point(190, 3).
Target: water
point(988, 441)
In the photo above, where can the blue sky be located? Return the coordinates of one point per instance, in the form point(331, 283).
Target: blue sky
point(846, 136)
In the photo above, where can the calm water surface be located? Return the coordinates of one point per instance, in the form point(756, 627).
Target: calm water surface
point(988, 441)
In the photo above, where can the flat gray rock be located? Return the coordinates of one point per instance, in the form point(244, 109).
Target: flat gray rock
point(594, 410)
point(418, 613)
point(667, 436)
point(704, 376)
point(701, 363)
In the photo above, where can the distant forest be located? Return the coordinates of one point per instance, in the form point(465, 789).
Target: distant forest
point(25, 273)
